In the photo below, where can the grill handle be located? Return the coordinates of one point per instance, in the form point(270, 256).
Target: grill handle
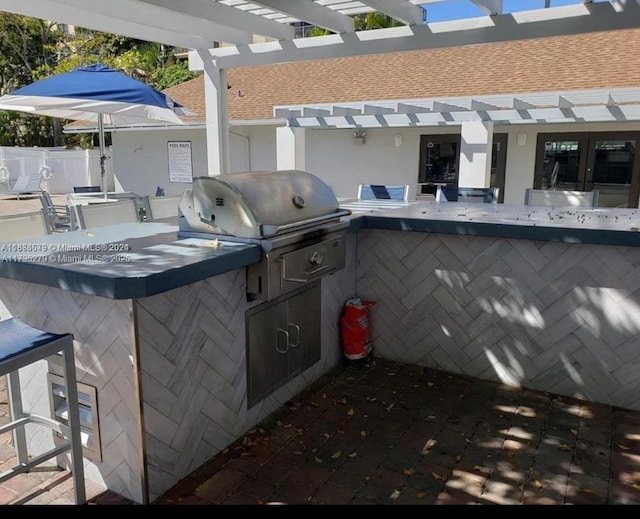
point(280, 332)
point(270, 230)
point(310, 273)
point(297, 330)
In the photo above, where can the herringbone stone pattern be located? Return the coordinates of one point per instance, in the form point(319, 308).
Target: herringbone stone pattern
point(194, 372)
point(102, 330)
point(551, 316)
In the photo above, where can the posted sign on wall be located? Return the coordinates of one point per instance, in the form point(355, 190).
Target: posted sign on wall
point(180, 167)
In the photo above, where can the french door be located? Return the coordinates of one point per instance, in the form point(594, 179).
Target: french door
point(604, 161)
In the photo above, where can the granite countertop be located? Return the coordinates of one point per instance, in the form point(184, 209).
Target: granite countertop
point(122, 261)
point(597, 225)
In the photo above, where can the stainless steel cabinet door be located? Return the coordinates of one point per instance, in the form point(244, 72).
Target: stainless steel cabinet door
point(304, 330)
point(267, 351)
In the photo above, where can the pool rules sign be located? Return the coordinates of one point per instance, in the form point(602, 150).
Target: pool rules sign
point(180, 166)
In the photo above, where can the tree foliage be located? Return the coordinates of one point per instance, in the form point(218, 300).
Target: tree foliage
point(24, 49)
point(32, 49)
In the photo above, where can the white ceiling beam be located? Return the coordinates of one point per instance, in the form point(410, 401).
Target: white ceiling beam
point(600, 16)
point(310, 12)
point(490, 7)
point(62, 12)
point(227, 16)
point(154, 16)
point(400, 10)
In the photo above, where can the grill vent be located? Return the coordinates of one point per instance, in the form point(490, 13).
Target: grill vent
point(219, 202)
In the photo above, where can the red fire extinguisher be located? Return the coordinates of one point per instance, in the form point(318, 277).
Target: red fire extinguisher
point(355, 326)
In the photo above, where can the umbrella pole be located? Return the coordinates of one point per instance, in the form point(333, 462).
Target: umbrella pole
point(102, 155)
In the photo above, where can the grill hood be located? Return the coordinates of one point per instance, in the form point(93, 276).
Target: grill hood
point(256, 204)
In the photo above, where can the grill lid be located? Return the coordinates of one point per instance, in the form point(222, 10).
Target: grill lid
point(256, 204)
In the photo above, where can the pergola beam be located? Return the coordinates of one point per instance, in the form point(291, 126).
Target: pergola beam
point(575, 19)
point(310, 12)
point(490, 7)
point(400, 10)
point(62, 11)
point(227, 16)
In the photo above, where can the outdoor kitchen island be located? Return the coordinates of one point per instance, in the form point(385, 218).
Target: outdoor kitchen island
point(476, 290)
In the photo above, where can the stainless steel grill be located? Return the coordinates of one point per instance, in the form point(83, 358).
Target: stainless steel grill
point(292, 214)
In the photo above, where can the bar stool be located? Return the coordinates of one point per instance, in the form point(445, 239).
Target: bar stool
point(21, 345)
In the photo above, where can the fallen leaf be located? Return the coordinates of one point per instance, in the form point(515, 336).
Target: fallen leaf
point(431, 416)
point(635, 485)
point(395, 494)
point(324, 395)
point(520, 487)
point(298, 452)
point(564, 447)
point(588, 491)
point(350, 379)
point(352, 455)
point(350, 412)
point(373, 399)
point(314, 450)
point(391, 373)
point(286, 426)
point(430, 384)
point(279, 423)
point(510, 454)
point(326, 435)
point(431, 443)
point(367, 478)
point(407, 472)
point(314, 404)
point(343, 400)
point(623, 447)
point(421, 495)
point(363, 433)
point(537, 484)
point(336, 455)
point(390, 407)
point(318, 460)
point(436, 476)
point(458, 457)
point(574, 431)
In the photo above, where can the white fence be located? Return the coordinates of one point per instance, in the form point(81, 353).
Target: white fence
point(67, 168)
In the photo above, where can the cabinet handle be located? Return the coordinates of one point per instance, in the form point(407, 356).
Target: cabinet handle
point(279, 333)
point(297, 329)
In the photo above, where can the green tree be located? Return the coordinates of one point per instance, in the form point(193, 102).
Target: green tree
point(25, 45)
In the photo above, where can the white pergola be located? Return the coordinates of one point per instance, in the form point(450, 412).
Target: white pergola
point(199, 25)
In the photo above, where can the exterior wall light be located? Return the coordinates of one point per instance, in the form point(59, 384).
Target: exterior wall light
point(359, 136)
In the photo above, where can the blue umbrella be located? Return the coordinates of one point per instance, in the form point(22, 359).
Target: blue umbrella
point(99, 94)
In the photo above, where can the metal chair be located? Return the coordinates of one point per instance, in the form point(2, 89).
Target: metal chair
point(107, 213)
point(58, 218)
point(20, 346)
point(383, 192)
point(551, 197)
point(483, 195)
point(23, 226)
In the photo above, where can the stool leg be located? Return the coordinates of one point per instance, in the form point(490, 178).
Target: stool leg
point(77, 464)
point(15, 406)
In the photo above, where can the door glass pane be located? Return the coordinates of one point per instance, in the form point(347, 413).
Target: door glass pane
point(441, 159)
point(612, 169)
point(496, 149)
point(561, 166)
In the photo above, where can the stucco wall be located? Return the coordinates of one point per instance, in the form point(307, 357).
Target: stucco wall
point(140, 157)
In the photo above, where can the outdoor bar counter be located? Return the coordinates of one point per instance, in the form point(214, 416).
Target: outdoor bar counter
point(540, 297)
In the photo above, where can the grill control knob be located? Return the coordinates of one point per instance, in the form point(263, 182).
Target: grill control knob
point(298, 201)
point(316, 258)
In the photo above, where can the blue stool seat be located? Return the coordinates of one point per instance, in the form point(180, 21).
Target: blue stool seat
point(21, 345)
